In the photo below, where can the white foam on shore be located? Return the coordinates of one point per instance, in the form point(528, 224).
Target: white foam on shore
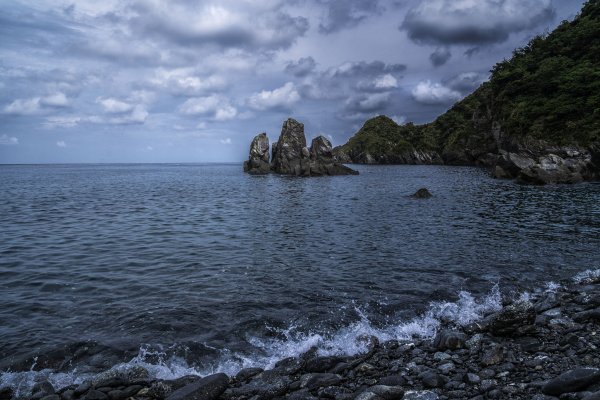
point(350, 340)
point(587, 276)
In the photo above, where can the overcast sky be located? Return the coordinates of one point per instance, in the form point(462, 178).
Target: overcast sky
point(194, 81)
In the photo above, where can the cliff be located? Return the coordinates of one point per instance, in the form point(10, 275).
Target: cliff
point(537, 119)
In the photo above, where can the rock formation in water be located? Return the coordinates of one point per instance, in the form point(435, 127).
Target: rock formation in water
point(536, 120)
point(258, 162)
point(292, 157)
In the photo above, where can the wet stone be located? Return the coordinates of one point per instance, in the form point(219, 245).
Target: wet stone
point(572, 381)
point(95, 395)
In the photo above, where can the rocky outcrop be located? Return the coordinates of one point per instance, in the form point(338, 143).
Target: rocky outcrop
point(258, 162)
point(545, 164)
point(291, 156)
point(322, 161)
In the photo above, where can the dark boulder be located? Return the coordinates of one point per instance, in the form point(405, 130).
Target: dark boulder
point(258, 161)
point(449, 340)
point(208, 388)
point(572, 381)
point(422, 193)
point(322, 161)
point(513, 320)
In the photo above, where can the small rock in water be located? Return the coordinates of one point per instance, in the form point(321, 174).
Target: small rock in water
point(420, 395)
point(422, 193)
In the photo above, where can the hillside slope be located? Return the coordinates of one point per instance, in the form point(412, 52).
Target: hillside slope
point(537, 119)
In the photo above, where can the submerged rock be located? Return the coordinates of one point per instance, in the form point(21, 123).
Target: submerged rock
point(258, 161)
point(422, 193)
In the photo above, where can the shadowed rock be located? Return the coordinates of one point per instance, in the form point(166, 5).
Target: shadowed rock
point(258, 162)
point(422, 193)
point(292, 157)
point(572, 381)
point(289, 157)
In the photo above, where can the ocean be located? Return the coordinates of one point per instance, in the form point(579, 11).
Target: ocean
point(198, 268)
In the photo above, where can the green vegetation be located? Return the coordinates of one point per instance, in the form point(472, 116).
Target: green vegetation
point(549, 90)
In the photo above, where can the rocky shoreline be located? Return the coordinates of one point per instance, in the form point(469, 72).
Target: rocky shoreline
point(539, 346)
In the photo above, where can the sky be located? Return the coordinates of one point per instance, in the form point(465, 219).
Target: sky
point(194, 81)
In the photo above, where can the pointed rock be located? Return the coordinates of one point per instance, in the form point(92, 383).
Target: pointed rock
point(290, 156)
point(258, 161)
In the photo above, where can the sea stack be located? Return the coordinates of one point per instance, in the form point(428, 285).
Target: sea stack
point(258, 162)
point(292, 157)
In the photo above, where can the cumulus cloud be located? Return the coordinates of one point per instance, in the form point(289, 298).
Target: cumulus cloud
point(225, 24)
point(6, 140)
point(216, 106)
point(344, 14)
point(187, 82)
point(36, 105)
point(430, 93)
point(226, 141)
point(380, 83)
point(466, 82)
point(440, 56)
point(114, 106)
point(368, 103)
point(281, 98)
point(61, 143)
point(474, 22)
point(302, 67)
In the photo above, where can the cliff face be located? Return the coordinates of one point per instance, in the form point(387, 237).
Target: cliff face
point(537, 119)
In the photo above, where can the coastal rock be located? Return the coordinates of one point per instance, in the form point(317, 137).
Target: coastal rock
point(513, 320)
point(449, 340)
point(258, 161)
point(288, 157)
point(292, 157)
point(572, 381)
point(208, 388)
point(422, 193)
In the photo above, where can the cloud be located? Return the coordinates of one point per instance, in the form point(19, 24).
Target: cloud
point(36, 105)
point(280, 98)
point(225, 141)
point(466, 82)
point(138, 115)
point(215, 106)
point(345, 14)
point(473, 22)
point(260, 25)
point(440, 56)
point(381, 83)
point(430, 93)
point(367, 103)
point(363, 68)
point(302, 67)
point(114, 106)
point(186, 82)
point(55, 100)
point(61, 143)
point(6, 140)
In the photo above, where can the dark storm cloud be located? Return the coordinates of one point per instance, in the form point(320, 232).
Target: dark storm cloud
point(364, 68)
point(448, 22)
point(240, 26)
point(440, 56)
point(466, 82)
point(302, 67)
point(344, 14)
